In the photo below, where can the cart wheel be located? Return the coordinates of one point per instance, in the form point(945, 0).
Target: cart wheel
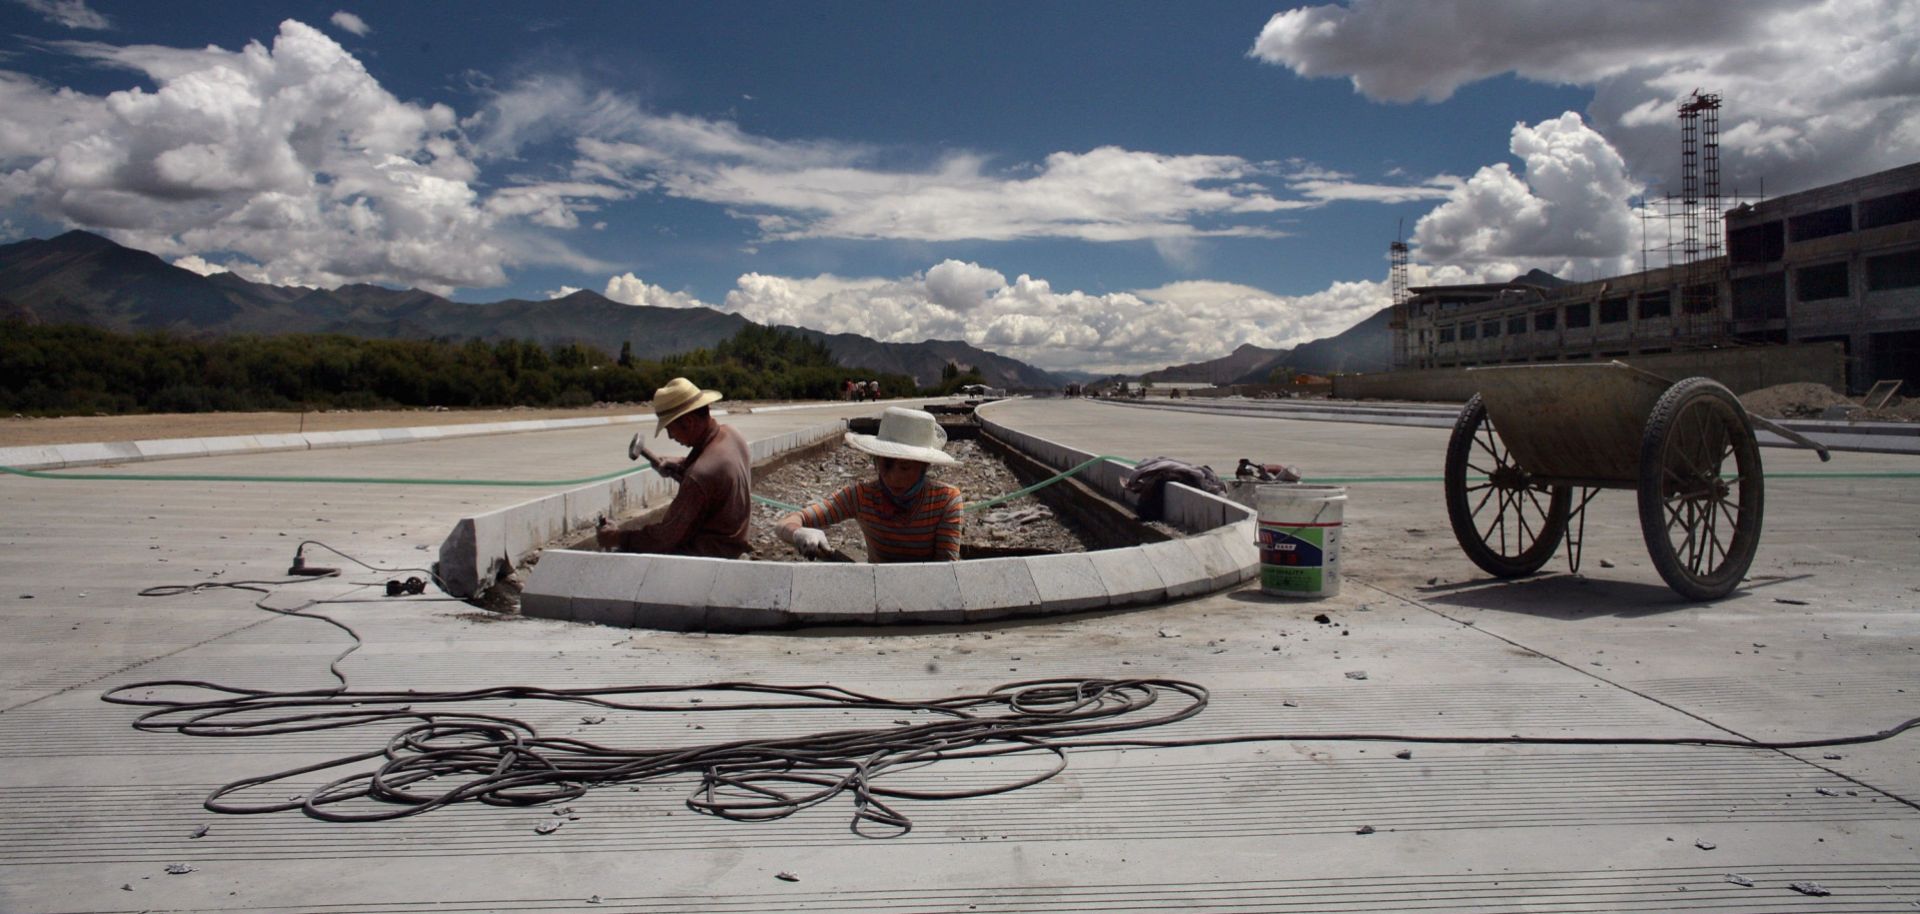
point(1508, 525)
point(1701, 526)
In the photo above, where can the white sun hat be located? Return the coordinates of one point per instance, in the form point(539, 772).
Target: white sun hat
point(906, 434)
point(677, 399)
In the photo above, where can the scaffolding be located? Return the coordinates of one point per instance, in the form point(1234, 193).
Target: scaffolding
point(1397, 279)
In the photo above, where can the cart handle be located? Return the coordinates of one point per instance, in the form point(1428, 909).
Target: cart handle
point(1791, 435)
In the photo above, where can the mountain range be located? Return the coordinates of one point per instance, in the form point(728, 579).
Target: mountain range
point(1366, 346)
point(83, 278)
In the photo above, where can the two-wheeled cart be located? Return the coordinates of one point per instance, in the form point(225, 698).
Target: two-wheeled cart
point(1536, 433)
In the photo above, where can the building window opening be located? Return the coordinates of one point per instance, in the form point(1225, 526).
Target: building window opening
point(1821, 282)
point(1545, 320)
point(1580, 315)
point(1516, 325)
point(1763, 243)
point(1656, 304)
point(1893, 271)
point(1613, 310)
point(1469, 331)
point(1490, 329)
point(1808, 226)
point(1446, 335)
point(1760, 297)
point(1892, 209)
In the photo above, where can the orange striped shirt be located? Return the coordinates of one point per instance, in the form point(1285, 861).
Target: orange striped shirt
point(927, 531)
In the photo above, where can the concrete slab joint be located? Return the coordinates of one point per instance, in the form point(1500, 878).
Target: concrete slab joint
point(678, 593)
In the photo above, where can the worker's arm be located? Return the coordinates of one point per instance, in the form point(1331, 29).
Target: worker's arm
point(672, 531)
point(946, 536)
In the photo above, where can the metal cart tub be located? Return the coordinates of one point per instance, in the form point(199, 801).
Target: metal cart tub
point(1536, 433)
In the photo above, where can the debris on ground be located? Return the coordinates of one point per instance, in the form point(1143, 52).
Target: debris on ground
point(1740, 880)
point(200, 831)
point(1810, 888)
point(179, 869)
point(1356, 674)
point(549, 826)
point(1404, 753)
point(1364, 830)
point(786, 877)
point(1704, 844)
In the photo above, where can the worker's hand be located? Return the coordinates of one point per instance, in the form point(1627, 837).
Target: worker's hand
point(674, 468)
point(811, 542)
point(607, 535)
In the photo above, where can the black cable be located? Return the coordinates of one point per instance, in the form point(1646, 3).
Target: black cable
point(504, 761)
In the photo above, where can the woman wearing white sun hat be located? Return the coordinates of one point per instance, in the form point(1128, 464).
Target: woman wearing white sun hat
point(905, 516)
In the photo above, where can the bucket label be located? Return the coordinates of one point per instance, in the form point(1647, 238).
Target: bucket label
point(1293, 559)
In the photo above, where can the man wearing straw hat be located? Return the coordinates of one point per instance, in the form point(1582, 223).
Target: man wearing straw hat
point(904, 516)
point(709, 515)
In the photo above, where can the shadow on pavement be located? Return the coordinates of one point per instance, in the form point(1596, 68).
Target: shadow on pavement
point(1561, 596)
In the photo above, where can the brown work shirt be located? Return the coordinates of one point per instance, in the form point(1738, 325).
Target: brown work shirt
point(709, 514)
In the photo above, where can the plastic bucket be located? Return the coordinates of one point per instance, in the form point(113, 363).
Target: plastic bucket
point(1300, 539)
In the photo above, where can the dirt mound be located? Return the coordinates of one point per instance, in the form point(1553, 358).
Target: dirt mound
point(1810, 401)
point(1803, 400)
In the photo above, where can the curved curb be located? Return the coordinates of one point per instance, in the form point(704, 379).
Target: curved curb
point(697, 594)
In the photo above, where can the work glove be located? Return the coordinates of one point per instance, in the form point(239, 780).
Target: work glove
point(811, 542)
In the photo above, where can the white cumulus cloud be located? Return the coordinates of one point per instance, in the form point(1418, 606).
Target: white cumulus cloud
point(351, 23)
point(288, 160)
point(632, 290)
point(1567, 211)
point(1813, 92)
point(198, 264)
point(1028, 319)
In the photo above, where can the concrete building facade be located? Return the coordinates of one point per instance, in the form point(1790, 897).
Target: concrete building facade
point(1837, 264)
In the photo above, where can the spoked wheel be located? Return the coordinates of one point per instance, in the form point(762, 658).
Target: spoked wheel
point(1508, 524)
point(1701, 490)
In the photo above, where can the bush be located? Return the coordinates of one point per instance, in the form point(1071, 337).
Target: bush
point(70, 369)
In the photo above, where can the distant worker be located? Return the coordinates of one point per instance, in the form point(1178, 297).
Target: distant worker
point(873, 390)
point(905, 516)
point(710, 513)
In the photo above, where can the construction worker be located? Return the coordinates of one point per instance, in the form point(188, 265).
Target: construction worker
point(904, 516)
point(709, 515)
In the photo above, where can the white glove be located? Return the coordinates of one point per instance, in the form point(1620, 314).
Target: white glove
point(811, 542)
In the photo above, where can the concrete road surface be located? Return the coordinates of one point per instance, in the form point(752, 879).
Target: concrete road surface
point(1823, 641)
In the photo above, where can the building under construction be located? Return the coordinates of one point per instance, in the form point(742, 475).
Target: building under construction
point(1837, 264)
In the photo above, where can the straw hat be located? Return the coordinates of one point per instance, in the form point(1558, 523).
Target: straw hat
point(906, 434)
point(677, 399)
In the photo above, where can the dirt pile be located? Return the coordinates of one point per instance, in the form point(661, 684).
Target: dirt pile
point(1023, 523)
point(1803, 400)
point(1807, 400)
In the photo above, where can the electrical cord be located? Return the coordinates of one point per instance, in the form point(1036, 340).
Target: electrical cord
point(447, 756)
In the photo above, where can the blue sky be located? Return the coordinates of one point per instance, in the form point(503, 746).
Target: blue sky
point(1103, 186)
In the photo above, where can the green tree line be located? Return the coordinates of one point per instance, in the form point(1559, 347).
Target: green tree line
point(51, 370)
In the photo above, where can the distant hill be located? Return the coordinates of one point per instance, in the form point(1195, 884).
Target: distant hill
point(1365, 346)
point(1223, 370)
point(82, 278)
